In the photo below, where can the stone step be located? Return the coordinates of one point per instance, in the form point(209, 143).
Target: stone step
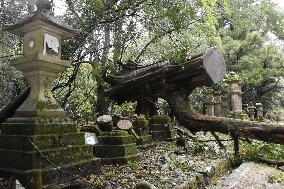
point(158, 127)
point(115, 140)
point(52, 177)
point(25, 160)
point(163, 134)
point(50, 141)
point(114, 151)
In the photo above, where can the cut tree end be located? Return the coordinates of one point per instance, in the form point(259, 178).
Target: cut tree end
point(214, 64)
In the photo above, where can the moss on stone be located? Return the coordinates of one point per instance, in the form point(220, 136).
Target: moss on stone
point(45, 105)
point(143, 185)
point(160, 119)
point(115, 133)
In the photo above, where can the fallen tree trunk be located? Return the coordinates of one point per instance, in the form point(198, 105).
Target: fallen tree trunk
point(203, 69)
point(10, 109)
point(272, 133)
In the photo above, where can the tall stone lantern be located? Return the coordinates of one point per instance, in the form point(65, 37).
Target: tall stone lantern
point(235, 95)
point(39, 145)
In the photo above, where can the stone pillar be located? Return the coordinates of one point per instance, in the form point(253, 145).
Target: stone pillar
point(235, 94)
point(251, 110)
point(210, 102)
point(218, 103)
point(224, 99)
point(245, 108)
point(259, 112)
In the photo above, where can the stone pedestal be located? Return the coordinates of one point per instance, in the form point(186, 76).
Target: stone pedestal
point(161, 128)
point(115, 147)
point(141, 127)
point(40, 151)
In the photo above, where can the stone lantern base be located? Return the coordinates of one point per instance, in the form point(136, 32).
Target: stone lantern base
point(42, 151)
point(116, 147)
point(161, 128)
point(141, 127)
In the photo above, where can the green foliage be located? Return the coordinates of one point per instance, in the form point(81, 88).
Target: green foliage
point(80, 103)
point(126, 109)
point(276, 178)
point(109, 175)
point(202, 149)
point(261, 149)
point(135, 165)
point(150, 31)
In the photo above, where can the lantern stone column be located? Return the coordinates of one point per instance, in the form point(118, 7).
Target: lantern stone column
point(210, 102)
point(218, 103)
point(224, 99)
point(251, 111)
point(259, 111)
point(40, 135)
point(235, 95)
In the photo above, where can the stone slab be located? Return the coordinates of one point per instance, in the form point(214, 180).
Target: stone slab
point(114, 151)
point(252, 175)
point(49, 141)
point(52, 176)
point(115, 140)
point(38, 128)
point(26, 160)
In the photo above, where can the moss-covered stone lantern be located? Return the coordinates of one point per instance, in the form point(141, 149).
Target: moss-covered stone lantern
point(42, 36)
point(39, 145)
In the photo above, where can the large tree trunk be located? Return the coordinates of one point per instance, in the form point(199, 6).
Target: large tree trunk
point(154, 80)
point(10, 109)
point(272, 133)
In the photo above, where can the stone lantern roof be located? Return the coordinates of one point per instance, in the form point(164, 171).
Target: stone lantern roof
point(42, 15)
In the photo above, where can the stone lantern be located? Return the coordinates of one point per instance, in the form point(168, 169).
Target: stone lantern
point(42, 36)
point(235, 94)
point(39, 145)
point(259, 111)
point(251, 111)
point(218, 103)
point(210, 102)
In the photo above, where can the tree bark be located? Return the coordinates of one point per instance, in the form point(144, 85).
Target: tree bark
point(10, 109)
point(272, 133)
point(154, 80)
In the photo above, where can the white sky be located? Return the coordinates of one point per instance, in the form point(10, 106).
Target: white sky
point(280, 3)
point(60, 7)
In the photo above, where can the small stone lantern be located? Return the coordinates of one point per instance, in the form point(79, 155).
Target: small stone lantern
point(251, 111)
point(210, 102)
point(259, 111)
point(235, 94)
point(218, 103)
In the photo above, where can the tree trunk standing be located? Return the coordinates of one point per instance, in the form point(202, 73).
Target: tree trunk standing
point(103, 102)
point(238, 128)
point(117, 38)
